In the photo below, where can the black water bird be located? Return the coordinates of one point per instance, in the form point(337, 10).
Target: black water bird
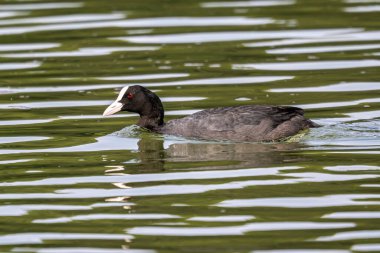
point(246, 123)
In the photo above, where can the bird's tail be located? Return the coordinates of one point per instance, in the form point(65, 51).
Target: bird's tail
point(312, 124)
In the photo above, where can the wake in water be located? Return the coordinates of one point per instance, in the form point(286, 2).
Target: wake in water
point(132, 131)
point(360, 134)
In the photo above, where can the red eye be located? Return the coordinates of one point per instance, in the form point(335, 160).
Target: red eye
point(129, 96)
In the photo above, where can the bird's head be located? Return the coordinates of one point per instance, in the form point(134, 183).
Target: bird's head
point(140, 100)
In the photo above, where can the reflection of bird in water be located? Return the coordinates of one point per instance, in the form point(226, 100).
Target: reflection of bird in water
point(151, 154)
point(233, 155)
point(216, 155)
point(238, 123)
point(152, 157)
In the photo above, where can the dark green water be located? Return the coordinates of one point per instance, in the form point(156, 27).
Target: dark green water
point(73, 181)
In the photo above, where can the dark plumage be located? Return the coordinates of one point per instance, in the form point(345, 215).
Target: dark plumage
point(237, 123)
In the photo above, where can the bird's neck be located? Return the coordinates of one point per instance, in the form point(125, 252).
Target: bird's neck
point(152, 118)
point(149, 123)
point(151, 112)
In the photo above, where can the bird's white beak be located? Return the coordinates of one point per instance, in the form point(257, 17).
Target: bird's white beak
point(113, 108)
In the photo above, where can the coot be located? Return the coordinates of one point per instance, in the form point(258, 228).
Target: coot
point(237, 123)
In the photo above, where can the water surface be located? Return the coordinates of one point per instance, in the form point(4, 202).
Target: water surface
point(73, 181)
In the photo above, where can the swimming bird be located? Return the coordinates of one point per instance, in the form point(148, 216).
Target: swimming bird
point(246, 123)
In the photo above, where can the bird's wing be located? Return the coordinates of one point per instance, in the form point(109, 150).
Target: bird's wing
point(228, 118)
point(232, 122)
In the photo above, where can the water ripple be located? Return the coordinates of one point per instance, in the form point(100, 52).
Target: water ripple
point(145, 216)
point(143, 22)
point(353, 215)
point(323, 49)
point(312, 65)
point(351, 235)
point(9, 14)
point(38, 238)
point(221, 81)
point(234, 36)
point(237, 230)
point(64, 19)
point(22, 65)
point(27, 46)
point(347, 37)
point(356, 86)
point(254, 3)
point(343, 168)
point(40, 6)
point(71, 88)
point(21, 139)
point(361, 1)
point(144, 76)
point(82, 250)
point(338, 104)
point(375, 247)
point(359, 9)
point(81, 52)
point(19, 210)
point(157, 190)
point(302, 251)
point(304, 202)
point(24, 122)
point(17, 161)
point(154, 177)
point(225, 218)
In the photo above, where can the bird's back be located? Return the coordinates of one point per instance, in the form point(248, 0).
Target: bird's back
point(240, 123)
